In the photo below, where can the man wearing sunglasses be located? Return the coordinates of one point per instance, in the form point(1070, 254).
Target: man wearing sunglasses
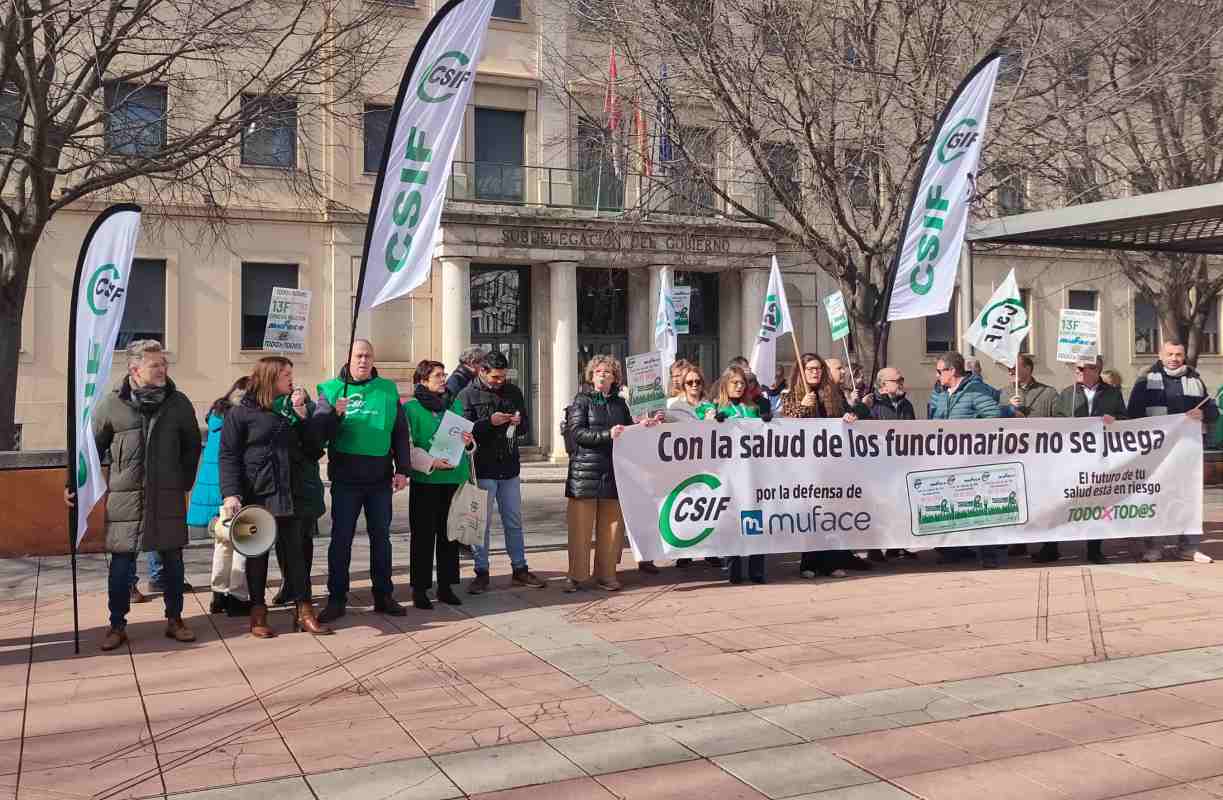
point(890, 400)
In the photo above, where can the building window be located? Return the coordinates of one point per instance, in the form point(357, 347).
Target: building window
point(602, 302)
point(1079, 73)
point(269, 131)
point(375, 125)
point(507, 9)
point(500, 146)
point(499, 301)
point(1083, 299)
point(600, 184)
point(1012, 191)
point(1146, 326)
point(1081, 186)
point(258, 280)
point(10, 116)
point(774, 26)
point(1210, 331)
point(135, 119)
point(144, 312)
point(862, 178)
point(700, 345)
point(692, 193)
point(941, 330)
point(783, 166)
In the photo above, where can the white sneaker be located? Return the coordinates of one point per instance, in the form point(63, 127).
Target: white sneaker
point(807, 573)
point(839, 573)
point(1153, 554)
point(1197, 556)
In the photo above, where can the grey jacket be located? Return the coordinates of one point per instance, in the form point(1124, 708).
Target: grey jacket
point(152, 466)
point(1038, 399)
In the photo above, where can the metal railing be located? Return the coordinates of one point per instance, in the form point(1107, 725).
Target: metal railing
point(606, 190)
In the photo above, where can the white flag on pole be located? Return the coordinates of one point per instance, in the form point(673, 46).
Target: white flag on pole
point(100, 294)
point(424, 132)
point(999, 328)
point(665, 339)
point(775, 322)
point(928, 256)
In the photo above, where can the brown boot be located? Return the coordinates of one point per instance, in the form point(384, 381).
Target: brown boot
point(177, 630)
point(306, 621)
point(115, 637)
point(259, 623)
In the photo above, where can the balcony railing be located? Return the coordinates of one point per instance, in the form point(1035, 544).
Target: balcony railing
point(606, 190)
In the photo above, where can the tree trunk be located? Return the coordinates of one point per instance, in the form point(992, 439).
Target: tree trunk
point(15, 267)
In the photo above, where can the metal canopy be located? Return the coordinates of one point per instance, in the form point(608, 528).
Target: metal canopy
point(1178, 221)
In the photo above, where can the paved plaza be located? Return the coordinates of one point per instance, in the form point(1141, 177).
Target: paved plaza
point(915, 680)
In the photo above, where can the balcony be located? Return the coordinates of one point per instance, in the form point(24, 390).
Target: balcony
point(605, 191)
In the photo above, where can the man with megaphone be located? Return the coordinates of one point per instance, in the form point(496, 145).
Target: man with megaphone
point(264, 447)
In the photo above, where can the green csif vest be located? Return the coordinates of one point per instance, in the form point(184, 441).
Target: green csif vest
point(365, 428)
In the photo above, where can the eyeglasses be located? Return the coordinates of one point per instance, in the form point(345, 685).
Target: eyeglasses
point(894, 380)
point(944, 369)
point(694, 383)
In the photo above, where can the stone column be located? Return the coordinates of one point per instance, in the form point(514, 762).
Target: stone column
point(730, 313)
point(755, 284)
point(456, 308)
point(563, 280)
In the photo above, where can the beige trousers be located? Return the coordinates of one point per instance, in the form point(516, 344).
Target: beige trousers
point(603, 516)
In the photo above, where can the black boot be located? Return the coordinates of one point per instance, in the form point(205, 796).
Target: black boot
point(385, 604)
point(237, 608)
point(1047, 554)
point(446, 594)
point(420, 599)
point(218, 603)
point(334, 610)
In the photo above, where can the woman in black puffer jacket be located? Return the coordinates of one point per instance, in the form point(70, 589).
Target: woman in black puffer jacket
point(265, 443)
point(596, 419)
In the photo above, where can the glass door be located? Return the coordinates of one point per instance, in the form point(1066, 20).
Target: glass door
point(700, 343)
point(602, 315)
point(500, 320)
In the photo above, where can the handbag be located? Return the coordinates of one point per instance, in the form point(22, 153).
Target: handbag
point(468, 511)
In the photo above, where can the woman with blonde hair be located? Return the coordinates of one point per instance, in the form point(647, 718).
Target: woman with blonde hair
point(264, 447)
point(595, 420)
point(731, 398)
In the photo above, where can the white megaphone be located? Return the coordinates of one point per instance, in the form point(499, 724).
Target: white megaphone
point(251, 532)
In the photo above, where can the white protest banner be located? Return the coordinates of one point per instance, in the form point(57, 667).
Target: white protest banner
point(999, 329)
point(288, 316)
point(647, 390)
point(682, 296)
point(745, 486)
point(838, 320)
point(424, 131)
point(99, 294)
point(1078, 335)
point(928, 258)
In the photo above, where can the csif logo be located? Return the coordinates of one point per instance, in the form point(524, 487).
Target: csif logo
point(1003, 318)
point(104, 288)
point(691, 511)
point(1112, 513)
point(446, 75)
point(958, 139)
point(772, 317)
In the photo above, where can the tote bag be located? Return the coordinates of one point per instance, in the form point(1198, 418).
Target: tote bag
point(468, 511)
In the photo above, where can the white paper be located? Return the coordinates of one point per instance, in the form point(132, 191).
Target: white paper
point(448, 441)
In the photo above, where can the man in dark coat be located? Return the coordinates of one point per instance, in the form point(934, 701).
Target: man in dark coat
point(1088, 396)
point(1173, 387)
point(499, 412)
point(890, 402)
point(153, 437)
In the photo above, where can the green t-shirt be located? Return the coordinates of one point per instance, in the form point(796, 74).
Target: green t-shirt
point(424, 424)
point(732, 410)
point(365, 428)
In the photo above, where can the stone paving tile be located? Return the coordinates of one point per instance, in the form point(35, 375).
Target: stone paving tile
point(693, 780)
point(668, 703)
point(894, 753)
point(1080, 722)
point(727, 733)
point(574, 717)
point(616, 751)
point(576, 789)
point(347, 744)
point(241, 761)
point(410, 779)
point(120, 778)
point(779, 772)
point(1082, 772)
point(1184, 791)
point(506, 767)
point(865, 791)
point(994, 780)
point(284, 789)
point(1167, 753)
point(1159, 708)
point(994, 736)
point(819, 719)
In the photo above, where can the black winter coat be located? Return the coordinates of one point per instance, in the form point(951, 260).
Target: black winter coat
point(591, 473)
point(887, 409)
point(496, 456)
point(263, 457)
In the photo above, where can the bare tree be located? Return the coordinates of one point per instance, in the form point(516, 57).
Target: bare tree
point(1141, 115)
point(814, 121)
point(168, 103)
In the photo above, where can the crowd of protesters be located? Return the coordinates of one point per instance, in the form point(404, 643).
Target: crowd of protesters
point(266, 437)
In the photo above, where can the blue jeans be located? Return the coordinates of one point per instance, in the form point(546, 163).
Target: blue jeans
point(347, 501)
point(119, 586)
point(156, 570)
point(507, 494)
